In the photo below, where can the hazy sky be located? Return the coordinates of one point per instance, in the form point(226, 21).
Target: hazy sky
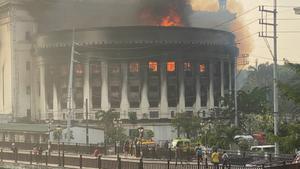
point(288, 21)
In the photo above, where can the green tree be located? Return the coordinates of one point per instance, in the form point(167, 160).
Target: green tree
point(187, 124)
point(113, 132)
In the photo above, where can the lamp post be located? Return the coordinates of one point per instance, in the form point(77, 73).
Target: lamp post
point(49, 122)
point(117, 122)
point(141, 135)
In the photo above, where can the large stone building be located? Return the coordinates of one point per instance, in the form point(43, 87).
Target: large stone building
point(150, 72)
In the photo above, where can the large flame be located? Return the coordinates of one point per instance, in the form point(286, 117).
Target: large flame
point(172, 19)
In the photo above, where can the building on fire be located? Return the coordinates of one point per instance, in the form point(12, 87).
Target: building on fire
point(149, 71)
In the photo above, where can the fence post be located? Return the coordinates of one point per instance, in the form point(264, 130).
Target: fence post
point(141, 166)
point(168, 164)
point(80, 161)
point(16, 155)
point(30, 157)
point(206, 163)
point(99, 162)
point(284, 163)
point(263, 166)
point(1, 155)
point(63, 155)
point(46, 160)
point(119, 162)
point(198, 161)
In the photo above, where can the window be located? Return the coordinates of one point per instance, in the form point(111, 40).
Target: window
point(202, 68)
point(134, 89)
point(187, 67)
point(153, 114)
point(79, 69)
point(171, 66)
point(153, 66)
point(27, 65)
point(115, 68)
point(28, 91)
point(96, 68)
point(134, 67)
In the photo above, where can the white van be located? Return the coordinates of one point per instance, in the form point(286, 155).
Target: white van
point(263, 148)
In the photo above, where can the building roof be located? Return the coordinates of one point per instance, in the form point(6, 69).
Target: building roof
point(20, 127)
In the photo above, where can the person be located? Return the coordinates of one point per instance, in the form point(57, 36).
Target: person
point(96, 152)
point(199, 153)
point(126, 148)
point(178, 152)
point(14, 148)
point(215, 159)
point(297, 158)
point(225, 160)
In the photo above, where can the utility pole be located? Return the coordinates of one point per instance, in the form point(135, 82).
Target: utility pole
point(70, 90)
point(87, 121)
point(264, 34)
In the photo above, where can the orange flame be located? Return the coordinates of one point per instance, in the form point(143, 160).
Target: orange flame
point(172, 19)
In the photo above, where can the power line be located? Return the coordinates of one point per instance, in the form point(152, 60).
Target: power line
point(246, 37)
point(242, 27)
point(232, 19)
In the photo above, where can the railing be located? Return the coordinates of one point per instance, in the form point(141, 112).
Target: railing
point(83, 161)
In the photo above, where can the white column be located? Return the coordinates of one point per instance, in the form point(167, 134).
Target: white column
point(230, 76)
point(181, 103)
point(55, 103)
point(43, 111)
point(222, 77)
point(86, 86)
point(104, 87)
point(211, 84)
point(163, 89)
point(144, 105)
point(197, 105)
point(124, 97)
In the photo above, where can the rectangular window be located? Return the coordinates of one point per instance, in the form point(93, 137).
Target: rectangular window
point(187, 67)
point(153, 66)
point(153, 114)
point(171, 66)
point(202, 68)
point(27, 66)
point(79, 69)
point(28, 90)
point(134, 67)
point(115, 68)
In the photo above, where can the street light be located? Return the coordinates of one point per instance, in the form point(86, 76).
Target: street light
point(117, 123)
point(141, 135)
point(49, 122)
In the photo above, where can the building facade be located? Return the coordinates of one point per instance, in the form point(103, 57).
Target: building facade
point(150, 72)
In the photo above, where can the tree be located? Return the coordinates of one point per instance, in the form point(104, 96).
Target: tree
point(186, 123)
point(112, 131)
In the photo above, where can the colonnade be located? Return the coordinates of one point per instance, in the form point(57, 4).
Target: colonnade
point(163, 108)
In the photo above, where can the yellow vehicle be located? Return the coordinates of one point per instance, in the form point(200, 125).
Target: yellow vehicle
point(147, 142)
point(182, 143)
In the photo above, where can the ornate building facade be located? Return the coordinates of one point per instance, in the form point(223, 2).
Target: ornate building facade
point(150, 72)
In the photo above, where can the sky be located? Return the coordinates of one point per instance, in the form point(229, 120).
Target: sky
point(288, 31)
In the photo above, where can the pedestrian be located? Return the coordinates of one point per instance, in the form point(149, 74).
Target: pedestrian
point(96, 152)
point(225, 160)
point(199, 153)
point(14, 148)
point(178, 152)
point(126, 148)
point(215, 159)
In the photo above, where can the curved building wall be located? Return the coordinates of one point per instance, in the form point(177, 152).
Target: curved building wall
point(148, 72)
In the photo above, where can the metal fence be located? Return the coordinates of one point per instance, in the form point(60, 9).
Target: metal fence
point(83, 161)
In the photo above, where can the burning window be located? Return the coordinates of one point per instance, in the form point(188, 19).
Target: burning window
point(134, 67)
point(153, 66)
point(171, 66)
point(187, 67)
point(79, 69)
point(202, 68)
